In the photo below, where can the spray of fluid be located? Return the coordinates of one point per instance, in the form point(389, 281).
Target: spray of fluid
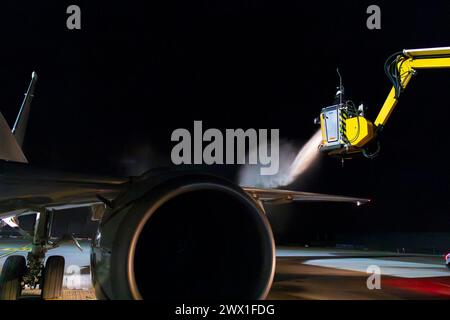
point(292, 165)
point(306, 157)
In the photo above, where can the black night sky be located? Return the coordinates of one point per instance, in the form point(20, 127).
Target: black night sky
point(110, 94)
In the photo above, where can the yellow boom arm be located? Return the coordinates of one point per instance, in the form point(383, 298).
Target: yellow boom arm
point(407, 64)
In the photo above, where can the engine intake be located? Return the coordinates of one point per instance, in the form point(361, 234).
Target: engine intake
point(190, 237)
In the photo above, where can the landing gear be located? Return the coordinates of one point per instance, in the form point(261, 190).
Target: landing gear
point(40, 246)
point(11, 278)
point(19, 272)
point(35, 260)
point(52, 278)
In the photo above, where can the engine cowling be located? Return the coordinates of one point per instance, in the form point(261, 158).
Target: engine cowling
point(179, 236)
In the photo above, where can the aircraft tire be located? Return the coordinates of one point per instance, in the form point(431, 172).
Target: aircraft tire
point(52, 280)
point(11, 277)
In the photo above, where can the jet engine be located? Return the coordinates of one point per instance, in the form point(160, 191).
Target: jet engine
point(183, 236)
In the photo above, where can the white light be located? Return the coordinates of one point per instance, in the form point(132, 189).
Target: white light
point(10, 221)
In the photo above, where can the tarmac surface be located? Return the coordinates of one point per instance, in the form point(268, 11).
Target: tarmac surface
point(301, 273)
point(304, 273)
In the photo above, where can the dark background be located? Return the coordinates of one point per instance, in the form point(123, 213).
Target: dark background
point(110, 94)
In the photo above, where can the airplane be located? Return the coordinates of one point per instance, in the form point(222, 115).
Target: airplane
point(166, 234)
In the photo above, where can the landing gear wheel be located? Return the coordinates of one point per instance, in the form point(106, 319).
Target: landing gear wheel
point(52, 278)
point(11, 277)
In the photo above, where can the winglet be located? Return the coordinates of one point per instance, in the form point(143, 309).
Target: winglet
point(20, 126)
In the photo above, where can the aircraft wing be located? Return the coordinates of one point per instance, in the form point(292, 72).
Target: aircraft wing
point(276, 196)
point(25, 188)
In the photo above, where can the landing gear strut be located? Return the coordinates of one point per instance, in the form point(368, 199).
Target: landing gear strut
point(36, 257)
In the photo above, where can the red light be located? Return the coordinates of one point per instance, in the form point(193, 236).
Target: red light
point(447, 256)
point(438, 286)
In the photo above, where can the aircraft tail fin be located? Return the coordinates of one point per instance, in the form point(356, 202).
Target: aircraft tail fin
point(9, 148)
point(20, 125)
point(11, 141)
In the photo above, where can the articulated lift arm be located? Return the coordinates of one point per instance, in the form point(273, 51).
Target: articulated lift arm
point(407, 64)
point(345, 131)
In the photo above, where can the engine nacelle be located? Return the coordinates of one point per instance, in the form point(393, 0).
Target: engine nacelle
point(179, 236)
